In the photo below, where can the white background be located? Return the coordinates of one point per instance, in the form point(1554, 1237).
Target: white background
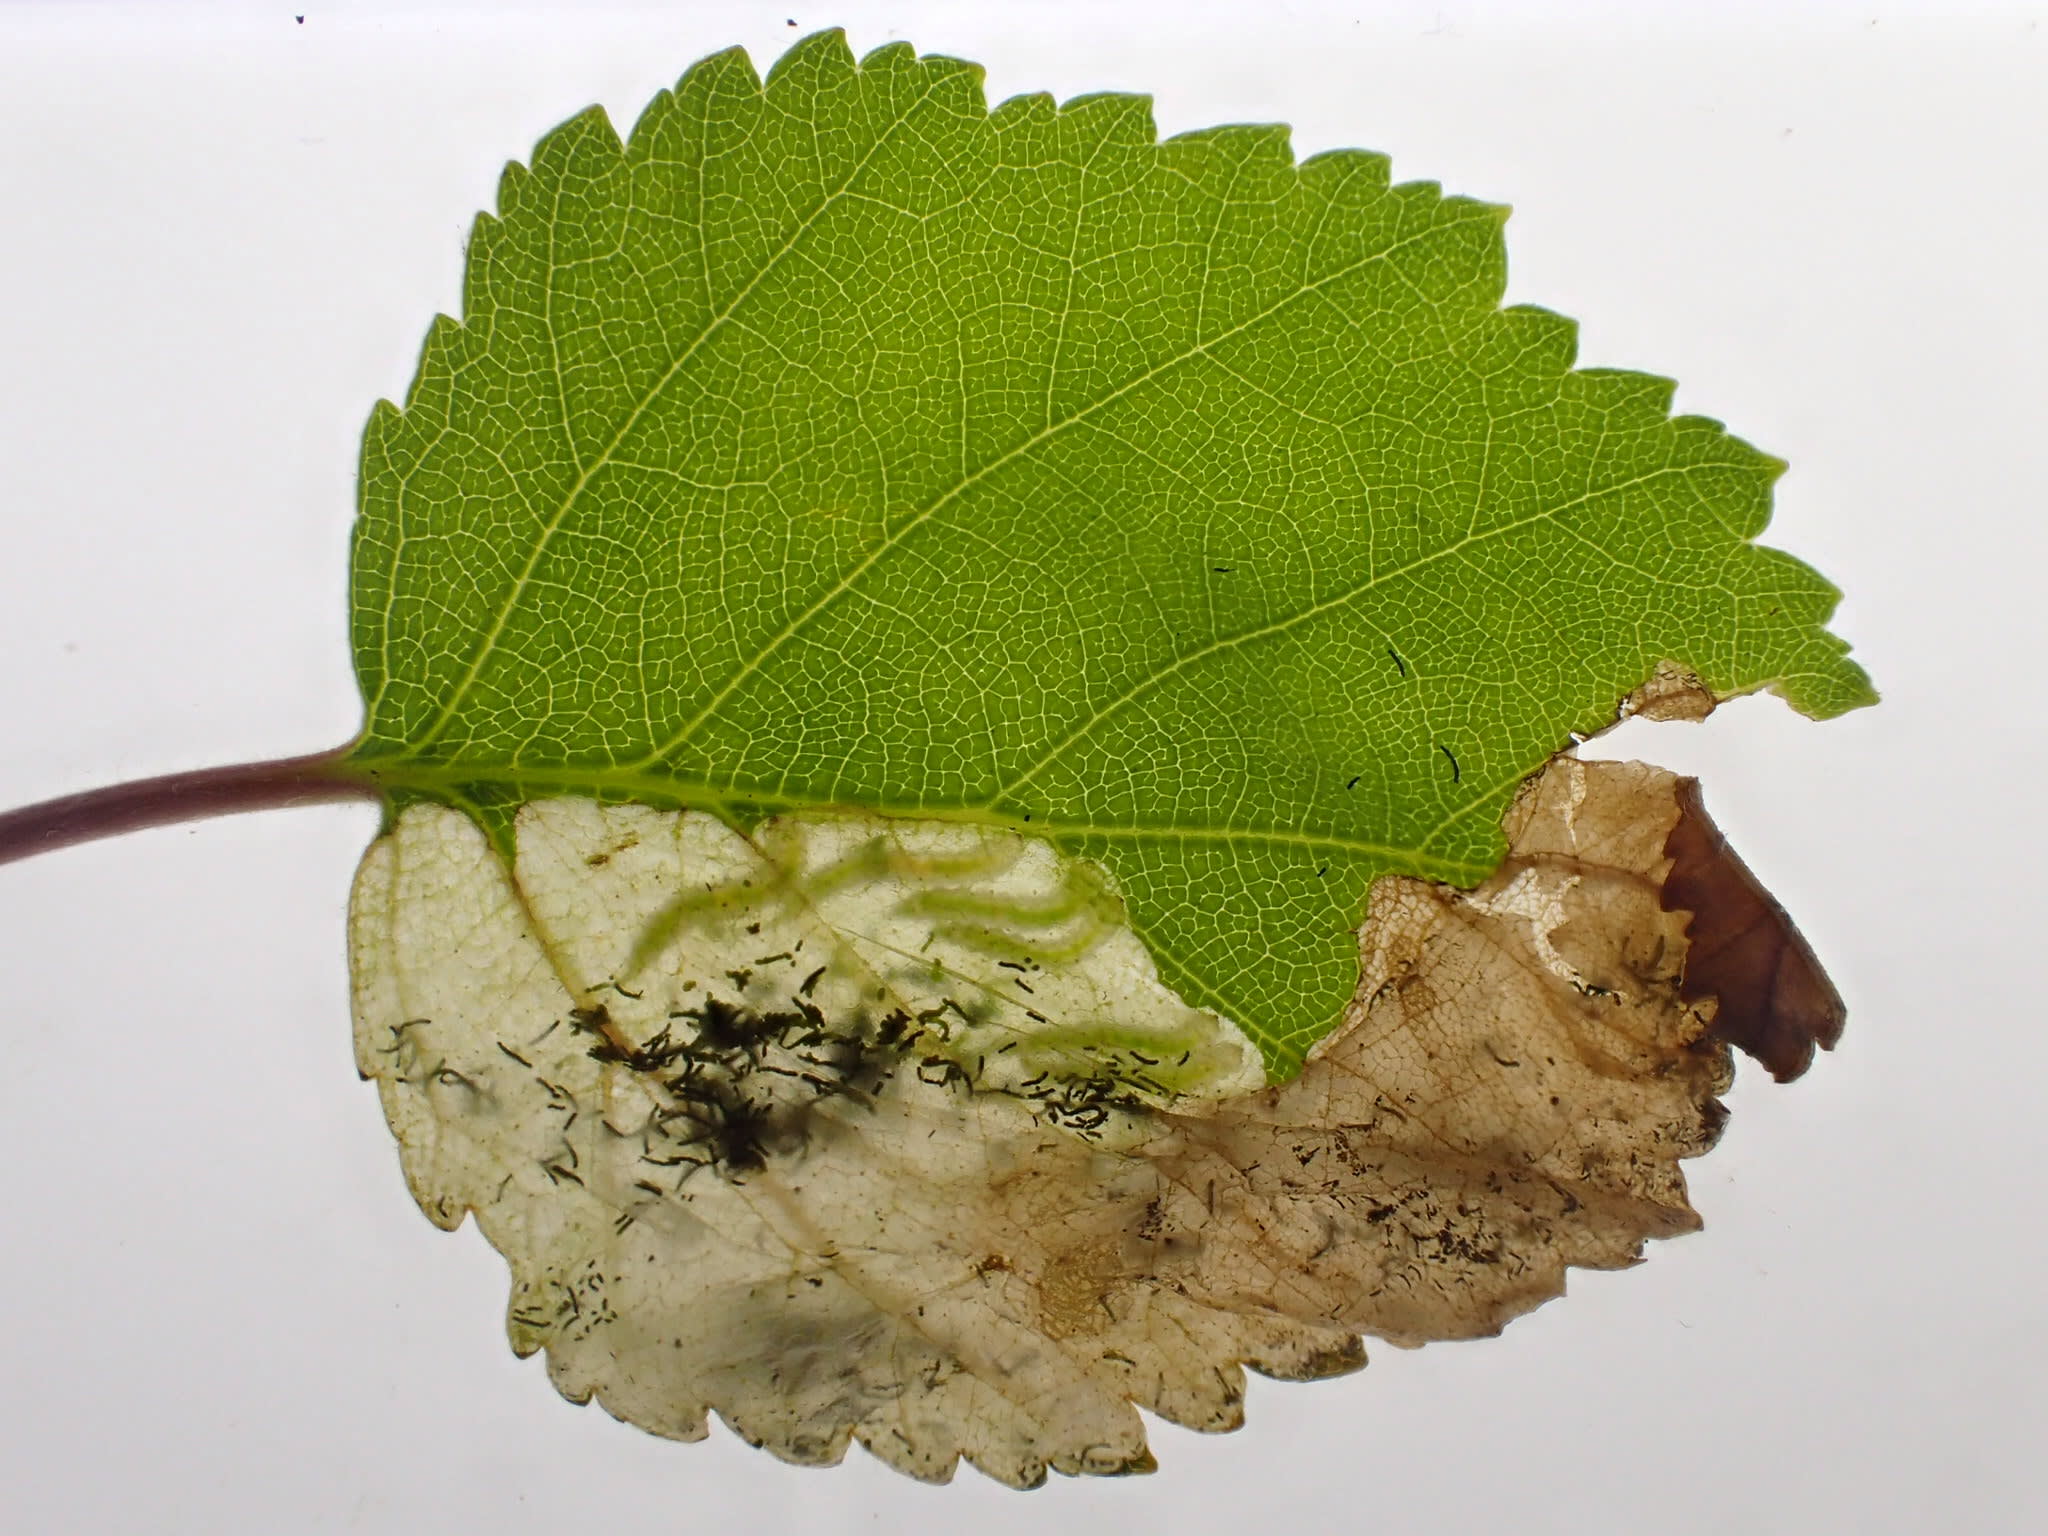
point(222, 233)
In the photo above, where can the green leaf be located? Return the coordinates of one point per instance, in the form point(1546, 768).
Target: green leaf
point(839, 442)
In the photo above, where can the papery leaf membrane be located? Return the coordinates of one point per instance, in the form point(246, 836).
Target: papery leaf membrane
point(859, 1128)
point(839, 442)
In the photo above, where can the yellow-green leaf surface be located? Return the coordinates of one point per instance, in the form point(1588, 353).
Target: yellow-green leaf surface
point(840, 442)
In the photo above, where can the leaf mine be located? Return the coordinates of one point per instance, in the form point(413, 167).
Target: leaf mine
point(889, 1131)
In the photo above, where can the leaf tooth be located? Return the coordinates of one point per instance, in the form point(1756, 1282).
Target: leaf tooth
point(730, 69)
point(1537, 330)
point(1036, 108)
point(1347, 167)
point(1636, 400)
point(1119, 117)
point(569, 149)
point(823, 56)
point(1248, 143)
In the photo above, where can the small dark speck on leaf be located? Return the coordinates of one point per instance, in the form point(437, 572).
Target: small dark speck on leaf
point(1451, 758)
point(1223, 570)
point(1398, 661)
point(1354, 781)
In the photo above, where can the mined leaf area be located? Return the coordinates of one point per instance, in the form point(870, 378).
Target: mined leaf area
point(860, 1129)
point(839, 442)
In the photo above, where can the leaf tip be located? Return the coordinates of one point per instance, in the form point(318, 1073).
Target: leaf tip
point(1829, 692)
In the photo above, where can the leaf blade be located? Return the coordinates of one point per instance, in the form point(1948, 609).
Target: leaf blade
point(837, 441)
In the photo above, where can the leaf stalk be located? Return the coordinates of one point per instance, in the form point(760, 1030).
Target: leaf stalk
point(317, 779)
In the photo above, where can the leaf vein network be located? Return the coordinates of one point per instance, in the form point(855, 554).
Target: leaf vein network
point(974, 477)
point(449, 707)
point(1303, 615)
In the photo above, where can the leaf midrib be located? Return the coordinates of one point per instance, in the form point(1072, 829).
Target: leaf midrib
point(448, 783)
